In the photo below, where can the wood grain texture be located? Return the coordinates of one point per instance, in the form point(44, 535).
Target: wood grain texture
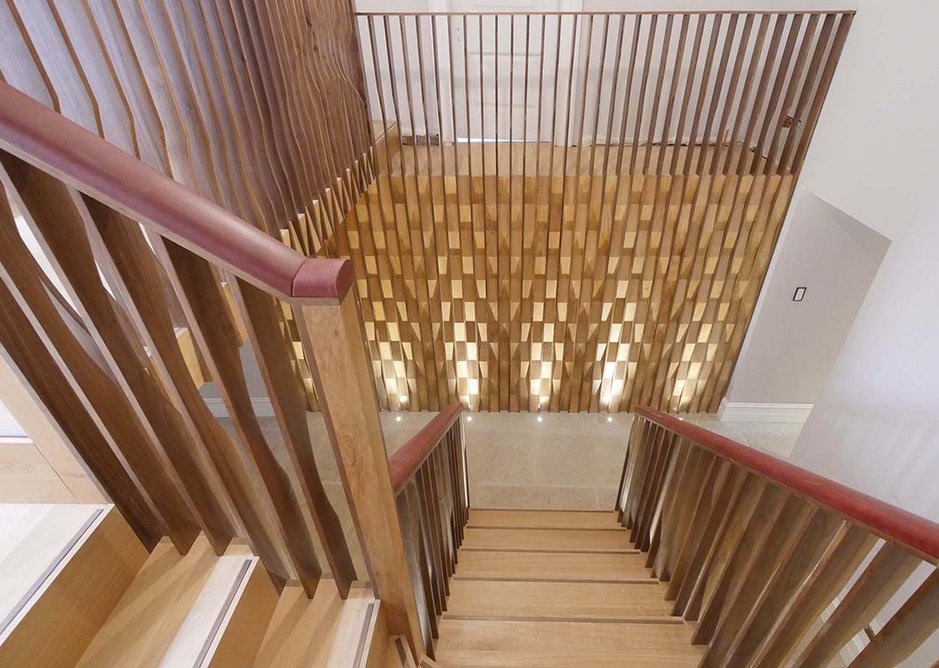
point(583, 229)
point(556, 600)
point(568, 644)
point(554, 540)
point(70, 608)
point(521, 565)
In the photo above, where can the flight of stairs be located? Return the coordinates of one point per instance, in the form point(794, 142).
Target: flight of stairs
point(557, 588)
point(78, 588)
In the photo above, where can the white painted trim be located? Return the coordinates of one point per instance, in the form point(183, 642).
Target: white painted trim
point(261, 405)
point(739, 411)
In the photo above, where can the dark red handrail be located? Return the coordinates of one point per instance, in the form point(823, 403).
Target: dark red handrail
point(916, 533)
point(407, 459)
point(88, 163)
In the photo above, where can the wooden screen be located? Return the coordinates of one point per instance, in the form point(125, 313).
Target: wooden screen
point(576, 211)
point(257, 106)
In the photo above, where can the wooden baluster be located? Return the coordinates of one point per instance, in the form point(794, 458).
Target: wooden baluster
point(764, 516)
point(430, 543)
point(417, 562)
point(446, 501)
point(433, 491)
point(199, 293)
point(639, 458)
point(907, 629)
point(692, 479)
point(334, 344)
point(426, 481)
point(889, 569)
point(262, 318)
point(656, 486)
point(717, 471)
point(722, 504)
point(147, 288)
point(751, 580)
point(663, 518)
point(78, 360)
point(841, 560)
point(734, 523)
point(637, 426)
point(645, 478)
point(795, 565)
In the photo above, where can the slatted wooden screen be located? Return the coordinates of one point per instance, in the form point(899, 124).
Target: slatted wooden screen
point(576, 211)
point(258, 107)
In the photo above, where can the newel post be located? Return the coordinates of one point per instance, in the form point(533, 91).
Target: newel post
point(333, 337)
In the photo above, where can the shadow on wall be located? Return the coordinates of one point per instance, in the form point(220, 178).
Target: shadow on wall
point(791, 346)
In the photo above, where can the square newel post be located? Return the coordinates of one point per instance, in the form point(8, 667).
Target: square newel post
point(333, 337)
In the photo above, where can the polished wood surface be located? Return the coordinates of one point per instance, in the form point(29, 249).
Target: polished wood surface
point(65, 611)
point(509, 606)
point(776, 565)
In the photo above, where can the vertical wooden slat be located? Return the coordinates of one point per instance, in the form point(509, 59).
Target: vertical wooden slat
point(870, 592)
point(840, 562)
point(909, 627)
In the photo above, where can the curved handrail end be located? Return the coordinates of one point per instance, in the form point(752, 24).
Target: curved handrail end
point(323, 278)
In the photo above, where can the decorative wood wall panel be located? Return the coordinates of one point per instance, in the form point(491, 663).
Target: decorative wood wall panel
point(576, 212)
point(257, 106)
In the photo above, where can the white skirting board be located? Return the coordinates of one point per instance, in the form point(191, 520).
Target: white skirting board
point(734, 411)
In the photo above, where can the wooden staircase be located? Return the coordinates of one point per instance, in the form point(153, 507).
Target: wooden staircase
point(557, 588)
point(77, 588)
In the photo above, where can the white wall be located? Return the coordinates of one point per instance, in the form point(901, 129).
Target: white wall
point(875, 155)
point(791, 346)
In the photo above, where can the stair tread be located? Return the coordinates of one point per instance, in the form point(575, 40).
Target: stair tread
point(146, 620)
point(563, 540)
point(322, 631)
point(556, 600)
point(544, 519)
point(565, 643)
point(524, 565)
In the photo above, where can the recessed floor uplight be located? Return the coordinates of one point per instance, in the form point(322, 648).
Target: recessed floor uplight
point(469, 418)
point(398, 418)
point(540, 419)
point(609, 418)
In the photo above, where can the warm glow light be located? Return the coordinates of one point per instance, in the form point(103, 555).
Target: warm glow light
point(609, 418)
point(540, 419)
point(469, 418)
point(398, 419)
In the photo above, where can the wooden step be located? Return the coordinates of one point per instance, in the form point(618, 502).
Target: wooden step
point(521, 565)
point(556, 644)
point(324, 631)
point(196, 609)
point(557, 600)
point(558, 540)
point(63, 569)
point(543, 519)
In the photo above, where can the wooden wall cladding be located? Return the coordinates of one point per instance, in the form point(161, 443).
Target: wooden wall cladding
point(257, 106)
point(575, 212)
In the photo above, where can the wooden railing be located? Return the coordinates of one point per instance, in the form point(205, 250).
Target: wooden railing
point(430, 480)
point(774, 563)
point(137, 255)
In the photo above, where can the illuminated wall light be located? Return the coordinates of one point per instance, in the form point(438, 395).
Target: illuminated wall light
point(398, 418)
point(609, 418)
point(469, 418)
point(540, 419)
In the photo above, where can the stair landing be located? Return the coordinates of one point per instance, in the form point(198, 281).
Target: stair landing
point(557, 588)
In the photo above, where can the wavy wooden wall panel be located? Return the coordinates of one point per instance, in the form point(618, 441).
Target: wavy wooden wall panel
point(257, 106)
point(576, 212)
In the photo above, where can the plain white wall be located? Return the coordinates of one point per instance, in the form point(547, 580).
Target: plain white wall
point(875, 155)
point(791, 346)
